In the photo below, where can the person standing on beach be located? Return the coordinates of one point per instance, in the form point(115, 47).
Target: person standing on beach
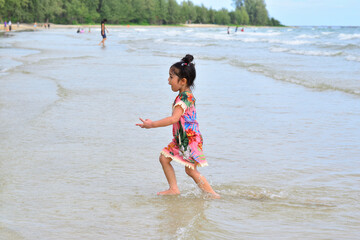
point(5, 23)
point(186, 146)
point(103, 34)
point(9, 23)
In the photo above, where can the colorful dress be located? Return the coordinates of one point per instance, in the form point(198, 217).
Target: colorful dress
point(186, 147)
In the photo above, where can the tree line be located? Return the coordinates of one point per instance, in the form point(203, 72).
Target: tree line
point(247, 12)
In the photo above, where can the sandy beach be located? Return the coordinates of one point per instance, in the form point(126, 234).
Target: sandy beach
point(40, 26)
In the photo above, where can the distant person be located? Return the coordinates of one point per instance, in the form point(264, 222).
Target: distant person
point(103, 34)
point(236, 28)
point(48, 25)
point(9, 23)
point(228, 30)
point(35, 25)
point(5, 25)
point(186, 146)
point(242, 29)
point(18, 24)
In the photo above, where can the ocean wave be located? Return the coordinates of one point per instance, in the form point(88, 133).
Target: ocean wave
point(174, 33)
point(250, 40)
point(308, 36)
point(208, 36)
point(298, 79)
point(306, 53)
point(279, 49)
point(3, 69)
point(261, 34)
point(344, 36)
point(140, 30)
point(276, 41)
point(326, 33)
point(353, 58)
point(289, 42)
point(335, 46)
point(316, 53)
point(190, 44)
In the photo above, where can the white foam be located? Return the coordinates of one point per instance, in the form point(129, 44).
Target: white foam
point(261, 34)
point(173, 33)
point(315, 53)
point(279, 49)
point(326, 33)
point(353, 58)
point(305, 52)
point(159, 40)
point(289, 42)
point(344, 36)
point(141, 30)
point(187, 44)
point(307, 36)
point(250, 40)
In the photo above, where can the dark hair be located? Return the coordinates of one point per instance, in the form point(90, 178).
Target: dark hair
point(104, 21)
point(185, 69)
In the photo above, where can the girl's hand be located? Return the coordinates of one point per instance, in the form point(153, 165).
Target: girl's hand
point(147, 123)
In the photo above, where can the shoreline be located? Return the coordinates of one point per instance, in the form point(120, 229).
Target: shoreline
point(40, 26)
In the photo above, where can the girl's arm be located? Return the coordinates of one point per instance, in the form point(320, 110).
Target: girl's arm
point(175, 117)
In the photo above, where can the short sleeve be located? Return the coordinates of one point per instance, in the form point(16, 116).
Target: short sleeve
point(180, 103)
point(185, 100)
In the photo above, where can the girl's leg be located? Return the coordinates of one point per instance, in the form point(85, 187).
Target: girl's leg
point(170, 176)
point(201, 181)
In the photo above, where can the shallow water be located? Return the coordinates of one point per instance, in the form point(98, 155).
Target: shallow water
point(280, 129)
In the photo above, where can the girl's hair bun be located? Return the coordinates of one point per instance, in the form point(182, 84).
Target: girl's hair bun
point(188, 58)
point(185, 69)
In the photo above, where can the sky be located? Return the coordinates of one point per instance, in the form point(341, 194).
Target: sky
point(303, 12)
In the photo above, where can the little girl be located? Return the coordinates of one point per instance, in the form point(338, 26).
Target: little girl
point(186, 147)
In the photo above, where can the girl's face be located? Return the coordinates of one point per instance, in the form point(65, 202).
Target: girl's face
point(174, 81)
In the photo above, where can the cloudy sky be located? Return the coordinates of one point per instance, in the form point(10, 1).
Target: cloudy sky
point(303, 12)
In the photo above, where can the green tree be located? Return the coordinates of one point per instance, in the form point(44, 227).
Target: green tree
point(150, 16)
point(211, 16)
point(238, 4)
point(222, 17)
point(48, 9)
point(202, 15)
point(133, 11)
point(14, 9)
point(257, 12)
point(174, 12)
point(161, 13)
point(188, 11)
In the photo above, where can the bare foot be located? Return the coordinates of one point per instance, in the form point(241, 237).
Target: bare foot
point(169, 192)
point(215, 196)
point(212, 196)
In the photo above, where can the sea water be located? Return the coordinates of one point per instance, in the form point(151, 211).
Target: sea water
point(279, 110)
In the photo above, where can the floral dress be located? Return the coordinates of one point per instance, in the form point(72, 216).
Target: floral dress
point(186, 146)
